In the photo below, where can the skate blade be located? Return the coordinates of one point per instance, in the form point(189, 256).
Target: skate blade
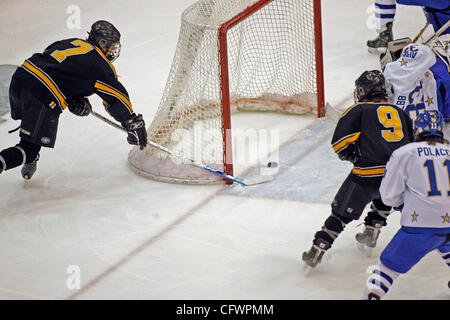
point(367, 251)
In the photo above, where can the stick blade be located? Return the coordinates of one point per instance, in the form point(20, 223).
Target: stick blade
point(258, 180)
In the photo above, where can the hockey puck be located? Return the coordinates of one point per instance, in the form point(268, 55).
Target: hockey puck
point(272, 164)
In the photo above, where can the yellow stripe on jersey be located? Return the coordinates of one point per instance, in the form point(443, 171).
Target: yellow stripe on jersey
point(107, 60)
point(348, 109)
point(373, 171)
point(47, 81)
point(103, 87)
point(345, 141)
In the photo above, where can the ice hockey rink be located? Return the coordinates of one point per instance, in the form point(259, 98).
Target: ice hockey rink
point(86, 213)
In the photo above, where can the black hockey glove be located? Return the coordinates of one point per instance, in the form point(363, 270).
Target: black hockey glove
point(137, 134)
point(351, 153)
point(79, 106)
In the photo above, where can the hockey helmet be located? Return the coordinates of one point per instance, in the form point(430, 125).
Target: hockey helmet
point(370, 84)
point(429, 123)
point(104, 35)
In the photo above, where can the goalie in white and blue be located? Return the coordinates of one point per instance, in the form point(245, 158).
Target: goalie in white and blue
point(416, 180)
point(420, 81)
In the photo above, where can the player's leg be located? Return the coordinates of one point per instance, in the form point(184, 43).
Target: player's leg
point(444, 250)
point(348, 205)
point(384, 18)
point(20, 155)
point(404, 251)
point(38, 128)
point(374, 221)
point(379, 282)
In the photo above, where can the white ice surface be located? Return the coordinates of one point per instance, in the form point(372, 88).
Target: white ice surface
point(134, 238)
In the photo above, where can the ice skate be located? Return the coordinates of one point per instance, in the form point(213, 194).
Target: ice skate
point(314, 256)
point(367, 240)
point(373, 296)
point(380, 43)
point(29, 169)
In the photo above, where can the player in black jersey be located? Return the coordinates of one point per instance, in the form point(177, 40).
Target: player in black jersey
point(62, 77)
point(366, 135)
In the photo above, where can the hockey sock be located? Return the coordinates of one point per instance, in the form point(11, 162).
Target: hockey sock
point(2, 164)
point(379, 212)
point(12, 157)
point(380, 281)
point(446, 257)
point(31, 150)
point(385, 13)
point(24, 152)
point(331, 229)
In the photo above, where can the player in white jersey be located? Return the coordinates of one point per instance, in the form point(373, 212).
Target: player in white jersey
point(417, 180)
point(413, 83)
point(384, 18)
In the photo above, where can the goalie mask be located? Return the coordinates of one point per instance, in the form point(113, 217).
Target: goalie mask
point(370, 84)
point(105, 36)
point(429, 123)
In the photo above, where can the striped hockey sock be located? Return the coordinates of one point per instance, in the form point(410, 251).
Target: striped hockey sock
point(384, 13)
point(379, 282)
point(446, 257)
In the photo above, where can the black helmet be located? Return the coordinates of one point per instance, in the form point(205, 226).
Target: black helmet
point(370, 84)
point(105, 36)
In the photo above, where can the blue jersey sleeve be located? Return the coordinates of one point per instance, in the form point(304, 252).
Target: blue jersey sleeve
point(435, 4)
point(442, 78)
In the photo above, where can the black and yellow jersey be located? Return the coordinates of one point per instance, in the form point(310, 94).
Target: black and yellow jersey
point(376, 130)
point(75, 68)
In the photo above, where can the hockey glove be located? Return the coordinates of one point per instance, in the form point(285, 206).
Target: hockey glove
point(351, 153)
point(79, 106)
point(137, 134)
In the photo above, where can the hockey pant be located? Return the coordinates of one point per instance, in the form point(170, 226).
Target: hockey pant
point(348, 205)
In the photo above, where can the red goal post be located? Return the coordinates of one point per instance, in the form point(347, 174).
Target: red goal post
point(223, 57)
point(233, 55)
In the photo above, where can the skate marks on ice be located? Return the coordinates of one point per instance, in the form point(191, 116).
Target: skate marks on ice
point(308, 170)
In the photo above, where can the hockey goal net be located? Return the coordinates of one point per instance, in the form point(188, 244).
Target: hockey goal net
point(232, 55)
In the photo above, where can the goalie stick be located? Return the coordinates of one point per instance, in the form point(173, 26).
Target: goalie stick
point(438, 33)
point(246, 182)
point(424, 28)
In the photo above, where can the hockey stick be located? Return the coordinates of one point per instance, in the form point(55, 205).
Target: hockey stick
point(439, 32)
point(247, 182)
point(421, 32)
point(424, 28)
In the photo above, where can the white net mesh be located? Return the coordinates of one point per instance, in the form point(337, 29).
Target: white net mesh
point(272, 67)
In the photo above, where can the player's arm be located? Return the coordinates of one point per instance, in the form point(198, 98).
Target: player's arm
point(117, 103)
point(393, 184)
point(345, 139)
point(116, 99)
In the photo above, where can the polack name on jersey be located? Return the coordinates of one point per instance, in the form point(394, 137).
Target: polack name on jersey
point(433, 151)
